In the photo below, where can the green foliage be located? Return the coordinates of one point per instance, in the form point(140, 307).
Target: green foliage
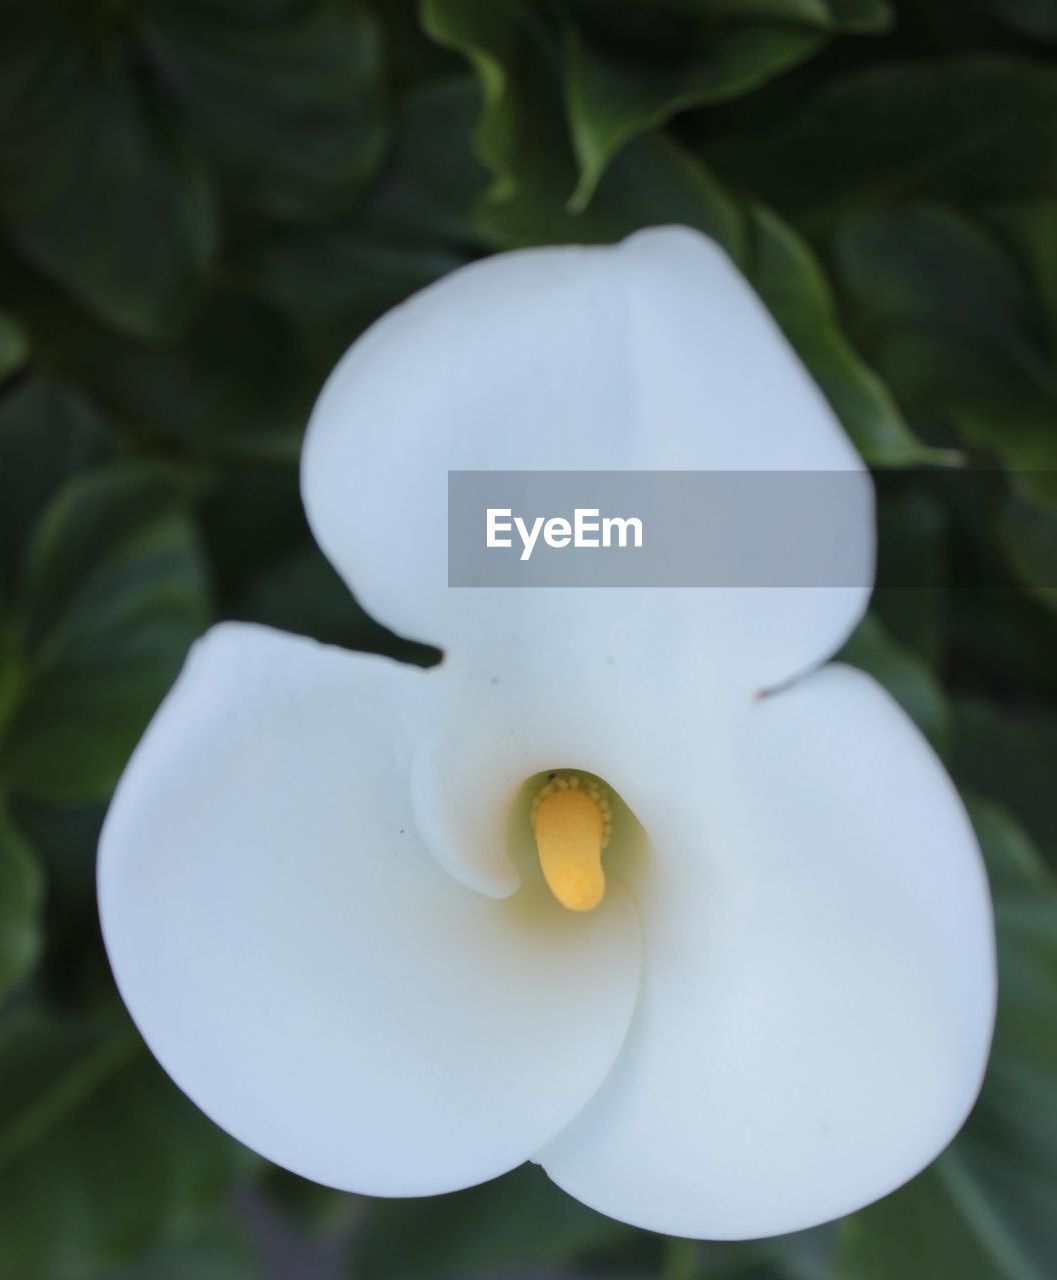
point(904, 674)
point(99, 184)
point(14, 345)
point(111, 594)
point(220, 1252)
point(519, 1220)
point(203, 202)
point(21, 884)
point(100, 1155)
point(971, 130)
point(983, 1209)
point(291, 108)
point(1010, 754)
point(950, 321)
point(791, 282)
point(614, 96)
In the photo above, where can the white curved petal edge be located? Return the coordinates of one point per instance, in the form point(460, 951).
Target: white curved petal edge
point(818, 978)
point(305, 971)
point(654, 354)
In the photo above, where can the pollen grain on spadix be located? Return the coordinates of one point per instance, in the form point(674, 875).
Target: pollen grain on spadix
point(572, 821)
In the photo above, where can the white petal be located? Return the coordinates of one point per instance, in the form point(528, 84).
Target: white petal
point(651, 355)
point(305, 971)
point(557, 700)
point(818, 978)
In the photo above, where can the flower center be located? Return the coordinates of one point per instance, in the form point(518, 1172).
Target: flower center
point(572, 821)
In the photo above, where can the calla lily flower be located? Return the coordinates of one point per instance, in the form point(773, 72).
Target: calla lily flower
point(630, 885)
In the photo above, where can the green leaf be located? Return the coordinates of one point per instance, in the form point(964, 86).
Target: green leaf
point(628, 69)
point(488, 35)
point(238, 383)
point(984, 1209)
point(434, 181)
point(830, 15)
point(789, 279)
point(65, 840)
point(94, 1137)
point(912, 537)
point(867, 16)
point(1010, 754)
point(311, 1209)
point(653, 181)
point(1013, 861)
point(818, 13)
point(99, 186)
point(333, 284)
point(21, 903)
point(943, 313)
point(416, 224)
point(412, 57)
point(304, 595)
point(521, 1219)
point(289, 100)
point(973, 130)
point(113, 594)
point(1028, 532)
point(14, 345)
point(220, 1252)
point(614, 94)
point(1036, 19)
point(904, 675)
point(1027, 227)
point(522, 139)
point(47, 431)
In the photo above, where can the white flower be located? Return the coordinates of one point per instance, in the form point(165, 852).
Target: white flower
point(319, 884)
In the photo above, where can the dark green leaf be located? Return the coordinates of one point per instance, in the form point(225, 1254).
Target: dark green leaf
point(411, 56)
point(313, 1210)
point(488, 35)
point(614, 95)
point(1013, 861)
point(433, 181)
point(238, 383)
point(1011, 755)
point(984, 1210)
point(220, 1252)
point(1029, 535)
point(288, 100)
point(653, 181)
point(100, 1155)
point(14, 345)
point(868, 16)
point(113, 594)
point(304, 595)
point(942, 312)
point(21, 900)
point(522, 139)
point(912, 537)
point(520, 1219)
point(972, 129)
point(814, 13)
point(904, 675)
point(47, 432)
point(790, 280)
point(100, 188)
point(1029, 227)
point(333, 284)
point(1036, 19)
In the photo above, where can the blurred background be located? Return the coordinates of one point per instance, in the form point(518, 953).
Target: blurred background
point(203, 202)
